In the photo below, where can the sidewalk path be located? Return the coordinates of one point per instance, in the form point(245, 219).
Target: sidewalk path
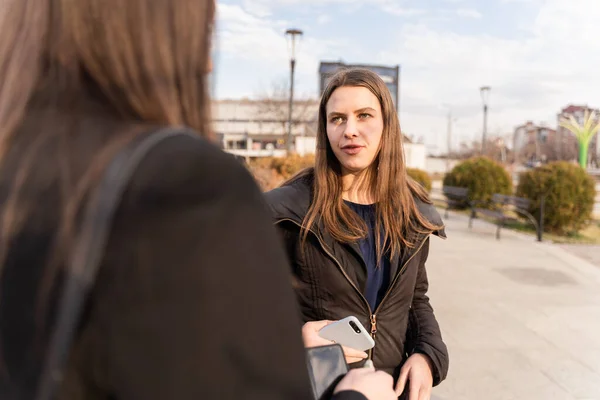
point(588, 252)
point(521, 318)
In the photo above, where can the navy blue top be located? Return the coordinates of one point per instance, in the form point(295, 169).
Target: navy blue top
point(378, 277)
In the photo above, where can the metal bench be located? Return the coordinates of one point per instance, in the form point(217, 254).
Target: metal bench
point(456, 198)
point(502, 210)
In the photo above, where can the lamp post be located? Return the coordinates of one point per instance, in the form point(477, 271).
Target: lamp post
point(485, 96)
point(291, 35)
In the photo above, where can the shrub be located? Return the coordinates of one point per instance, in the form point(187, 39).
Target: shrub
point(420, 176)
point(482, 176)
point(569, 200)
point(270, 172)
point(262, 162)
point(290, 165)
point(285, 166)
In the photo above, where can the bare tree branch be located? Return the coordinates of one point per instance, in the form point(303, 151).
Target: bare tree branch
point(274, 106)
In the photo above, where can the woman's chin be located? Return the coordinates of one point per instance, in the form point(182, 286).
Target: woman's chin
point(354, 168)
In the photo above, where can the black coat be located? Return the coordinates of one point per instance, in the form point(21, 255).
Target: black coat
point(192, 301)
point(329, 279)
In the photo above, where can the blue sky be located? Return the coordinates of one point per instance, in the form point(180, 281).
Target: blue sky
point(537, 55)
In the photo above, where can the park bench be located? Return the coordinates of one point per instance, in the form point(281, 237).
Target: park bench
point(503, 209)
point(456, 198)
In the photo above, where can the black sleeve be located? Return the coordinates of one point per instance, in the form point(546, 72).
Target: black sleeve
point(349, 395)
point(428, 337)
point(195, 299)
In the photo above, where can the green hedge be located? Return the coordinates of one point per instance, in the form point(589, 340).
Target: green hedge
point(482, 176)
point(285, 166)
point(570, 193)
point(420, 176)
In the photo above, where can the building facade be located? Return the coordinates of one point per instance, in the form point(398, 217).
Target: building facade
point(258, 128)
point(533, 143)
point(390, 75)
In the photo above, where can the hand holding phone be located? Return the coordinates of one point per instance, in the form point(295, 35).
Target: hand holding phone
point(348, 332)
point(311, 338)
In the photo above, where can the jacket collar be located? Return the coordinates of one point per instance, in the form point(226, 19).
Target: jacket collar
point(292, 202)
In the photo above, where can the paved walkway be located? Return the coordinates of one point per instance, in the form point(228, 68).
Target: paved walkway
point(521, 318)
point(589, 252)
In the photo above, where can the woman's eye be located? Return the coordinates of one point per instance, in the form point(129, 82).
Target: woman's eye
point(336, 120)
point(364, 115)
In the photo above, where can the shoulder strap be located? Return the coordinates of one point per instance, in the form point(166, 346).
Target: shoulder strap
point(87, 254)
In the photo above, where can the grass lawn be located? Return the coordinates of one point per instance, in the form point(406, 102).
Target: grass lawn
point(589, 235)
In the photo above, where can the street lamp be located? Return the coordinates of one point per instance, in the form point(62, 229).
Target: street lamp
point(485, 96)
point(291, 35)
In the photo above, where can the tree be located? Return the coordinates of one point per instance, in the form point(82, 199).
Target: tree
point(584, 133)
point(273, 108)
point(495, 149)
point(543, 150)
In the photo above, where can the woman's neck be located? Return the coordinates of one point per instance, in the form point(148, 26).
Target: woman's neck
point(357, 188)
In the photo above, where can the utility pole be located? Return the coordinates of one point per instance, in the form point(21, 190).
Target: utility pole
point(449, 140)
point(485, 95)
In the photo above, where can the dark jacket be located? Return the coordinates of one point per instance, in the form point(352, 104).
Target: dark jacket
point(329, 279)
point(192, 301)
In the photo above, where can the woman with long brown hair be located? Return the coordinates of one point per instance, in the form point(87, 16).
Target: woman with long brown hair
point(190, 300)
point(357, 233)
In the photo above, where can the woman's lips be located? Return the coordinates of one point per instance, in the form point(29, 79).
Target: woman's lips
point(352, 149)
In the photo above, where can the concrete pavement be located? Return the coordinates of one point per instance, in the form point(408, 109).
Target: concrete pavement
point(521, 318)
point(589, 252)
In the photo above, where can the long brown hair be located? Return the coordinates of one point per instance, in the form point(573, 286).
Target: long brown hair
point(398, 216)
point(80, 78)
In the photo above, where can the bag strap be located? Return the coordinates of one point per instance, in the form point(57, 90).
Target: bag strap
point(88, 252)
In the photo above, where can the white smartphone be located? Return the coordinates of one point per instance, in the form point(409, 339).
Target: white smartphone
point(348, 332)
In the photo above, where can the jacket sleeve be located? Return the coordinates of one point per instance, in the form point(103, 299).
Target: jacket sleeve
point(349, 395)
point(194, 301)
point(424, 326)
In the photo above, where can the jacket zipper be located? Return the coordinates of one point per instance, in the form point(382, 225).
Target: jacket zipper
point(398, 275)
point(372, 315)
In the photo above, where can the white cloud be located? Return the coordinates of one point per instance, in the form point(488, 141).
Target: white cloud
point(402, 11)
point(257, 8)
point(398, 8)
point(468, 13)
point(266, 7)
point(249, 38)
point(531, 77)
point(323, 19)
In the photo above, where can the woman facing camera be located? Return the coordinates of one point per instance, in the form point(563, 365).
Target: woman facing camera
point(357, 231)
